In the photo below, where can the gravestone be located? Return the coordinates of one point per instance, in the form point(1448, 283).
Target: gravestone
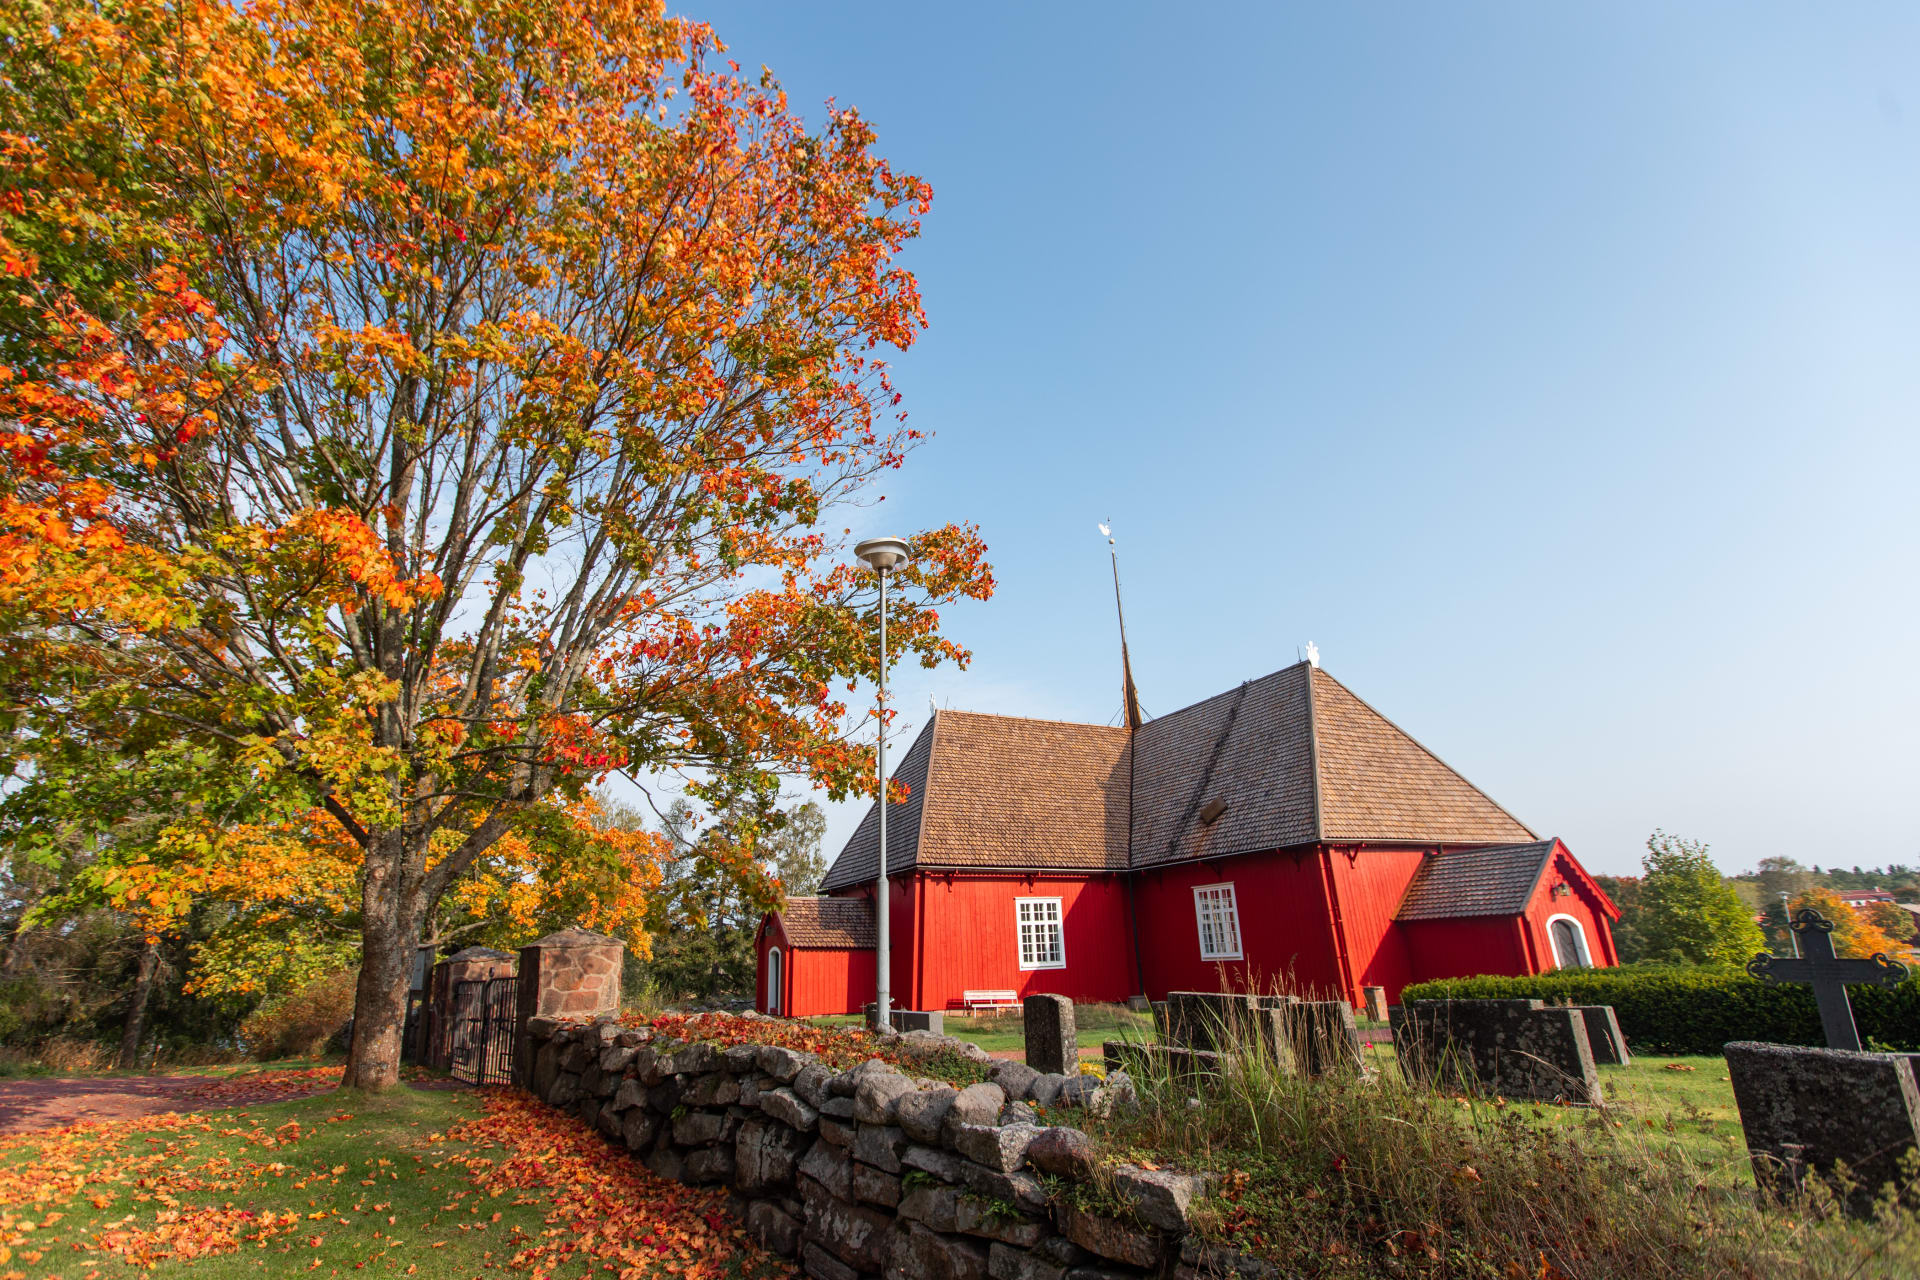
point(1324, 1035)
point(1162, 1028)
point(1603, 1035)
point(1828, 975)
point(1206, 1019)
point(1512, 1048)
point(1150, 1064)
point(1053, 1045)
point(1803, 1109)
point(1376, 1003)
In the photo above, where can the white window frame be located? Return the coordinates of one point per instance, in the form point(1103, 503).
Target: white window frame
point(776, 980)
point(1028, 912)
point(1586, 946)
point(1201, 898)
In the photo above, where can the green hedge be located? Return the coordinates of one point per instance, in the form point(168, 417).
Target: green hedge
point(1688, 1011)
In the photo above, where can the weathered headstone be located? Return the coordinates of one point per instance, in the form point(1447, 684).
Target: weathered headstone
point(1206, 1019)
point(1053, 1043)
point(1828, 975)
point(1376, 1003)
point(1603, 1035)
point(1151, 1063)
point(1325, 1037)
point(1513, 1048)
point(1162, 1027)
point(1804, 1109)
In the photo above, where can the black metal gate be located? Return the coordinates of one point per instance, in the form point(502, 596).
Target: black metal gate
point(482, 1026)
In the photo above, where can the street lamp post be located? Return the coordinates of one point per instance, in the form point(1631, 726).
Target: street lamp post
point(885, 555)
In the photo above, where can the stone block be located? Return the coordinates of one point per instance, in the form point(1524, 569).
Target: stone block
point(1022, 1188)
point(941, 1164)
point(638, 1128)
point(1803, 1110)
point(783, 1106)
point(810, 1084)
point(1376, 1003)
point(1004, 1262)
point(666, 1162)
point(938, 1207)
point(1053, 1044)
point(710, 1164)
point(1321, 1035)
point(631, 1093)
point(853, 1233)
point(976, 1217)
point(1161, 1198)
point(977, 1104)
point(1063, 1152)
point(765, 1155)
point(740, 1058)
point(781, 1063)
point(1015, 1078)
point(1108, 1237)
point(775, 1230)
point(998, 1147)
point(697, 1128)
point(1045, 1091)
point(694, 1059)
point(840, 1133)
point(821, 1265)
point(880, 1145)
point(831, 1167)
point(715, 1089)
point(1603, 1035)
point(847, 1082)
point(922, 1112)
point(1512, 1048)
point(930, 1255)
point(839, 1108)
point(875, 1186)
point(875, 1099)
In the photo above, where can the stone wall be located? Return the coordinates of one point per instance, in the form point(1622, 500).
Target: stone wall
point(875, 1172)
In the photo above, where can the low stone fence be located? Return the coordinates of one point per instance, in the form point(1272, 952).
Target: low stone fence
point(872, 1171)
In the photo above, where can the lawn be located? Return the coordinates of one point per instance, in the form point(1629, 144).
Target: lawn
point(424, 1183)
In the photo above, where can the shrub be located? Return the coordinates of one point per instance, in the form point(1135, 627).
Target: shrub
point(299, 1024)
point(1696, 1010)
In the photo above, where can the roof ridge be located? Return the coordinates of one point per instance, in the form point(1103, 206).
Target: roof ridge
point(1425, 749)
point(1319, 824)
point(996, 715)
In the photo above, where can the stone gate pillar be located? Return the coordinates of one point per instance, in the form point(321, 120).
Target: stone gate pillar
point(572, 974)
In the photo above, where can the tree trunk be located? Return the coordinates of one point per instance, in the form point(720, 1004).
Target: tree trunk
point(137, 1007)
point(391, 915)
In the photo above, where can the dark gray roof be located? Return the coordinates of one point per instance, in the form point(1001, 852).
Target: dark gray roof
point(834, 924)
point(1476, 882)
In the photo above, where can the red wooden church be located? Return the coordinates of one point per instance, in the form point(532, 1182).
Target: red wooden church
point(1281, 834)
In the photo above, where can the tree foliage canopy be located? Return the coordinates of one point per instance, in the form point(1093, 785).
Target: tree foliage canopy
point(422, 409)
point(1689, 914)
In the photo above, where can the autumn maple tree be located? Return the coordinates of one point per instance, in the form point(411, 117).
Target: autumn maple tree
point(423, 409)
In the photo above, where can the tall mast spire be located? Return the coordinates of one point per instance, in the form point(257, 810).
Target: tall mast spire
point(1129, 694)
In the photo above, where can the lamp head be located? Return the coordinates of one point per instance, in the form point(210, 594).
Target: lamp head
point(882, 553)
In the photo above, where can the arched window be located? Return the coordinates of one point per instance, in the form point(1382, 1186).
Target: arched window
point(1569, 940)
point(773, 980)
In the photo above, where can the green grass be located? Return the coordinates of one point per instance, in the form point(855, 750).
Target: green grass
point(367, 1175)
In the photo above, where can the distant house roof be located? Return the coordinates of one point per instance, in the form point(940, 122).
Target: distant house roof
point(829, 924)
point(1476, 882)
point(1288, 759)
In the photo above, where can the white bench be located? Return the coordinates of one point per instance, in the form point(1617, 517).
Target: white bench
point(990, 1000)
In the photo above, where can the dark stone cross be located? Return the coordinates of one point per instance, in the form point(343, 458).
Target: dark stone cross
point(1828, 975)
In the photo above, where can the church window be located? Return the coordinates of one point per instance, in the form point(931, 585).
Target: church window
point(1043, 943)
point(1219, 919)
point(1569, 943)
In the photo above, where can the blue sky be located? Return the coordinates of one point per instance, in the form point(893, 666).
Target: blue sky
point(1554, 368)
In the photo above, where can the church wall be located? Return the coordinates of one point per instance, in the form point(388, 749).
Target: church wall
point(1579, 902)
point(968, 939)
point(1369, 884)
point(817, 981)
point(1286, 933)
point(1463, 948)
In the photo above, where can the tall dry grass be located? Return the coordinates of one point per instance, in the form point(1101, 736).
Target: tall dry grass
point(1359, 1173)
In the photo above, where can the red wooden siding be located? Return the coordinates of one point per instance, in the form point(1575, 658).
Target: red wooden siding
point(1368, 886)
point(1463, 949)
point(1581, 901)
point(1286, 933)
point(957, 932)
point(817, 981)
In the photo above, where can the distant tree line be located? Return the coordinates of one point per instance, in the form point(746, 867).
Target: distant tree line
point(1682, 910)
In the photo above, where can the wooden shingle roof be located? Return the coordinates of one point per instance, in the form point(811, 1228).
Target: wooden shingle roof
point(1476, 882)
point(1289, 759)
point(832, 924)
point(1000, 791)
